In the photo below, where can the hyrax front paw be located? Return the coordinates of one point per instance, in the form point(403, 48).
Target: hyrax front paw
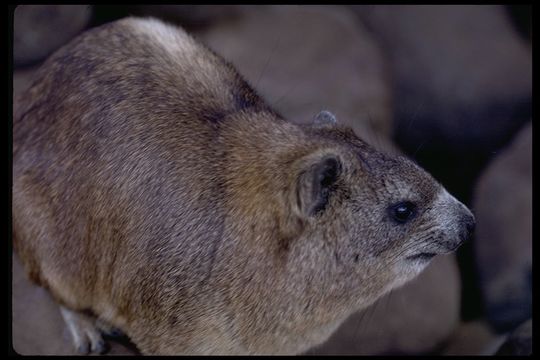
point(86, 336)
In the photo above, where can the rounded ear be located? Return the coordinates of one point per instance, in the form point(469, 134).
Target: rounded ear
point(311, 182)
point(315, 179)
point(324, 118)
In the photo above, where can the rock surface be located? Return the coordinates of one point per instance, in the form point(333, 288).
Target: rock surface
point(503, 244)
point(519, 342)
point(41, 29)
point(463, 76)
point(22, 79)
point(37, 326)
point(473, 338)
point(414, 319)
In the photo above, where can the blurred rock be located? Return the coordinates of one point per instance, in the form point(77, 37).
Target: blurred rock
point(411, 320)
point(472, 338)
point(503, 244)
point(519, 342)
point(521, 16)
point(41, 29)
point(22, 79)
point(304, 59)
point(463, 74)
point(37, 326)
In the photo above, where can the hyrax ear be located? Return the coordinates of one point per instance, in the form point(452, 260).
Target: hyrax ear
point(312, 178)
point(324, 119)
point(314, 183)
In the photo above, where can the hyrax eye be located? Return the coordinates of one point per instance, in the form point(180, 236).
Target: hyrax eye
point(402, 211)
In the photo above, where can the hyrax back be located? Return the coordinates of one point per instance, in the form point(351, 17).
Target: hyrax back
point(153, 189)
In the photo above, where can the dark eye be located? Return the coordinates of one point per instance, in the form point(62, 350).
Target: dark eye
point(403, 211)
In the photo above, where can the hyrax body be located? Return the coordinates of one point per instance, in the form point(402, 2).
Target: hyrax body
point(155, 192)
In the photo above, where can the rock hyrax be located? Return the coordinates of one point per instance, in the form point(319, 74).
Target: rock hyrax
point(156, 193)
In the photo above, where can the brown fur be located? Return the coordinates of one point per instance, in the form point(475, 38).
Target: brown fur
point(153, 188)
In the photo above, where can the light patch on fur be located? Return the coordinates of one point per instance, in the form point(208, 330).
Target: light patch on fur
point(405, 271)
point(166, 36)
point(109, 314)
point(186, 57)
point(57, 282)
point(445, 198)
point(400, 190)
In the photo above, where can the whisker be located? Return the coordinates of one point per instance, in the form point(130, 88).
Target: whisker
point(267, 61)
point(418, 148)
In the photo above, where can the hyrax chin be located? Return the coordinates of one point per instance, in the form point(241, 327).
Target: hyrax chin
point(156, 193)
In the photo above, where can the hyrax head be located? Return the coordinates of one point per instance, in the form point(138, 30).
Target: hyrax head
point(368, 221)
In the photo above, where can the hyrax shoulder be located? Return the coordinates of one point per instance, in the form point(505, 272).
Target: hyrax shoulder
point(153, 189)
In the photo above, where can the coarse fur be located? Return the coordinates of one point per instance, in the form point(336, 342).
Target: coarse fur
point(154, 191)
